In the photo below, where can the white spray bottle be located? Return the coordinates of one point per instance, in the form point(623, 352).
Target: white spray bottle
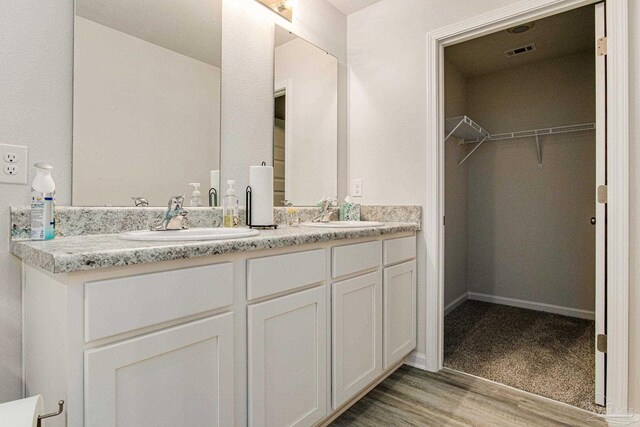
point(43, 191)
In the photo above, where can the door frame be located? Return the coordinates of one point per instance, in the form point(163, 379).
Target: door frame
point(617, 165)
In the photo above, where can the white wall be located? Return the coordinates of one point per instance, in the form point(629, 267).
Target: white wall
point(247, 78)
point(530, 235)
point(35, 88)
point(456, 191)
point(313, 104)
point(148, 112)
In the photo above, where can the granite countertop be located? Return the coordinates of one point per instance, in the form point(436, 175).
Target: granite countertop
point(89, 252)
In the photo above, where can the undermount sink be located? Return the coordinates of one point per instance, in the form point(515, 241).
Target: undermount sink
point(190, 234)
point(344, 224)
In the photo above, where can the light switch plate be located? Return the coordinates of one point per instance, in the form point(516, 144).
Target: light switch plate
point(14, 164)
point(356, 187)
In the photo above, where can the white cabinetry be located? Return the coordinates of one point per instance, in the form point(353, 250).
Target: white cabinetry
point(357, 335)
point(178, 376)
point(281, 337)
point(288, 360)
point(399, 315)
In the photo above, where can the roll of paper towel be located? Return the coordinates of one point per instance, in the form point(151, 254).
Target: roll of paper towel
point(22, 413)
point(261, 182)
point(215, 180)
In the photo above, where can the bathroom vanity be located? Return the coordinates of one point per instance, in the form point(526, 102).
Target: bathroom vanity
point(287, 328)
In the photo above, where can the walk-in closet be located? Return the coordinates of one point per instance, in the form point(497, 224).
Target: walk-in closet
point(520, 207)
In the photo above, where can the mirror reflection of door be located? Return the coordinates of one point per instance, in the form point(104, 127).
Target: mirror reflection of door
point(279, 133)
point(305, 88)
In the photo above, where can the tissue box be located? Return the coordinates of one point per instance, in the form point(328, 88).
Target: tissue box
point(350, 212)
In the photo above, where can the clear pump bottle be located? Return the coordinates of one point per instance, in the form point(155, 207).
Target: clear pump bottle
point(196, 198)
point(231, 207)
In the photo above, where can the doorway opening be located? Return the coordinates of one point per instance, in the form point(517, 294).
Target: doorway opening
point(279, 147)
point(524, 244)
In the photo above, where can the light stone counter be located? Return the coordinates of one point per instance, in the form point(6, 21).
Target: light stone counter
point(88, 252)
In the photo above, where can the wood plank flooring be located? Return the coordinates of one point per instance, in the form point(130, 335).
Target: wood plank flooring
point(412, 397)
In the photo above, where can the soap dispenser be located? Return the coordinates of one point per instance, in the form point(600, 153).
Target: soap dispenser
point(231, 207)
point(196, 198)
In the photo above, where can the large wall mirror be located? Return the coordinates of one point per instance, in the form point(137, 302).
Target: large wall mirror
point(305, 143)
point(146, 118)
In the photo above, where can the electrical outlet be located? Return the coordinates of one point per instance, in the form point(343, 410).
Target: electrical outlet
point(356, 187)
point(11, 170)
point(14, 164)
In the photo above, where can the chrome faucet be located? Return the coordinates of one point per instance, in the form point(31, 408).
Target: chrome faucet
point(326, 206)
point(140, 202)
point(175, 218)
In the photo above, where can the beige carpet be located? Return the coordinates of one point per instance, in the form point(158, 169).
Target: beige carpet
point(546, 354)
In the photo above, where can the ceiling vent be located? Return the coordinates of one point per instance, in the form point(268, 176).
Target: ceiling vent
point(520, 50)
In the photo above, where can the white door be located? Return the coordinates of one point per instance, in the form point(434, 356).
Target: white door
point(601, 208)
point(288, 360)
point(357, 335)
point(399, 312)
point(178, 376)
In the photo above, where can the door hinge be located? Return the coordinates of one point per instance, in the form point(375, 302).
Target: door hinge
point(443, 221)
point(601, 46)
point(601, 343)
point(602, 194)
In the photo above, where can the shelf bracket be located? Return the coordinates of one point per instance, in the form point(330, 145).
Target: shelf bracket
point(454, 129)
point(471, 152)
point(539, 148)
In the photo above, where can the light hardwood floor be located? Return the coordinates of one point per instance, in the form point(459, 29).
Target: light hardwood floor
point(412, 397)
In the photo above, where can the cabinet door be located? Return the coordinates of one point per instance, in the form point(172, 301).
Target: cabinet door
point(357, 335)
point(399, 330)
point(288, 360)
point(178, 376)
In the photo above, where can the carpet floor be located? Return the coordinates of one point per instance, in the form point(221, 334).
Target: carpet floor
point(542, 353)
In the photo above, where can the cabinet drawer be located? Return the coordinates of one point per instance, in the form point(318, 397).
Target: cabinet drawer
point(124, 304)
point(274, 274)
point(350, 259)
point(398, 250)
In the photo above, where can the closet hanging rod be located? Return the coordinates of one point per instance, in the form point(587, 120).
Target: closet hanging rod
point(533, 133)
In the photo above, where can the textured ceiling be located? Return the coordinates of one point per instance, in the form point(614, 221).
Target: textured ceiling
point(350, 6)
point(192, 28)
point(554, 36)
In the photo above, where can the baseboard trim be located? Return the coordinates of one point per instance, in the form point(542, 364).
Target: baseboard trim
point(538, 306)
point(622, 419)
point(456, 302)
point(416, 360)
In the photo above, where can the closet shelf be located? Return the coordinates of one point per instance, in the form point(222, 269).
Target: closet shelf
point(472, 133)
point(464, 128)
point(533, 133)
